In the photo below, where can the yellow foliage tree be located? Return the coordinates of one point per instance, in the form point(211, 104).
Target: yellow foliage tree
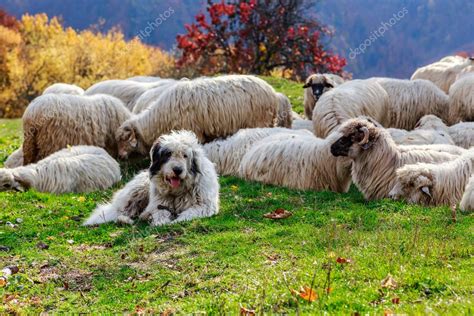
point(43, 52)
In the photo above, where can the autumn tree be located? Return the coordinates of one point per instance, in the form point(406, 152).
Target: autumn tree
point(257, 36)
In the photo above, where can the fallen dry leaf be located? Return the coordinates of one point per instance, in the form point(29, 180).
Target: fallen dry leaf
point(278, 214)
point(343, 260)
point(396, 300)
point(389, 282)
point(306, 293)
point(42, 245)
point(3, 281)
point(246, 312)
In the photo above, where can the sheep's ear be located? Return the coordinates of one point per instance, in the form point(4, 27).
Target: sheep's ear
point(307, 85)
point(426, 190)
point(20, 186)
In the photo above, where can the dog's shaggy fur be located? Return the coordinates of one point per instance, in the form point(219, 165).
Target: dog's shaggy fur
point(77, 169)
point(181, 182)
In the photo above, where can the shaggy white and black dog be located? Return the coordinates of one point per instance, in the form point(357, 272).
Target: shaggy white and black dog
point(180, 185)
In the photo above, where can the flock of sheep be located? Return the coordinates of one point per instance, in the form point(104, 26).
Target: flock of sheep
point(400, 139)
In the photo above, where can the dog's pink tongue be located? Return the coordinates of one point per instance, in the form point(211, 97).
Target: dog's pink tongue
point(175, 182)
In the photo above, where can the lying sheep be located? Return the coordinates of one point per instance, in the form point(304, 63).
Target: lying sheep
point(443, 73)
point(299, 124)
point(127, 91)
point(64, 88)
point(227, 153)
point(284, 111)
point(210, 107)
point(15, 159)
point(461, 97)
point(419, 137)
point(150, 96)
point(348, 100)
point(297, 162)
point(434, 184)
point(462, 133)
point(409, 100)
point(78, 169)
point(376, 157)
point(54, 121)
point(315, 85)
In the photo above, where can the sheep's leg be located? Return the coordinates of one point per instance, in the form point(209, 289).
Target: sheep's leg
point(30, 150)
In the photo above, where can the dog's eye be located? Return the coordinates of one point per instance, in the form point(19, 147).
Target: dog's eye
point(185, 156)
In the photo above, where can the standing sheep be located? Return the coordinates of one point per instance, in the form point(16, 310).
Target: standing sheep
point(64, 88)
point(150, 96)
point(443, 73)
point(210, 107)
point(350, 99)
point(227, 153)
point(376, 157)
point(462, 133)
point(54, 121)
point(461, 99)
point(297, 162)
point(127, 91)
point(314, 86)
point(78, 169)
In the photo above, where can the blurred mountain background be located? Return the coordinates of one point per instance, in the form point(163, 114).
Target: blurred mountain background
point(429, 29)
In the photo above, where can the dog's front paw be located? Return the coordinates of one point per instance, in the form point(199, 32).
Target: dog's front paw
point(160, 218)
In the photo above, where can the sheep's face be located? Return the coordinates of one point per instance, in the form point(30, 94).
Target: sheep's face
point(413, 184)
point(174, 166)
point(318, 85)
point(357, 136)
point(127, 140)
point(8, 182)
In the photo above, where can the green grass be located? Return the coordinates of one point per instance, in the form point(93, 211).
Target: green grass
point(237, 258)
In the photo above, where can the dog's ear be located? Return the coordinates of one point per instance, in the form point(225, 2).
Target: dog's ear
point(159, 156)
point(195, 167)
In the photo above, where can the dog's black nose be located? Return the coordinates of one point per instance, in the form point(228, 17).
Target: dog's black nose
point(177, 170)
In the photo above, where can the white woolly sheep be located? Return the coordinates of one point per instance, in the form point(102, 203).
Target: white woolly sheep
point(348, 100)
point(210, 107)
point(297, 162)
point(227, 153)
point(299, 124)
point(54, 121)
point(150, 96)
point(144, 79)
point(315, 85)
point(467, 202)
point(409, 100)
point(461, 99)
point(78, 169)
point(419, 137)
point(443, 73)
point(15, 159)
point(376, 157)
point(127, 91)
point(284, 111)
point(433, 184)
point(462, 133)
point(64, 88)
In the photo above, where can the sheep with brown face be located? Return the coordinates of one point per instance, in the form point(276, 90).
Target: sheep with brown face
point(375, 156)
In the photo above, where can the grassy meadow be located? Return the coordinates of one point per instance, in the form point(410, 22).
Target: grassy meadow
point(359, 257)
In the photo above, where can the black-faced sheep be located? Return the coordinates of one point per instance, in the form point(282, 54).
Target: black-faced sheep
point(376, 157)
point(314, 87)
